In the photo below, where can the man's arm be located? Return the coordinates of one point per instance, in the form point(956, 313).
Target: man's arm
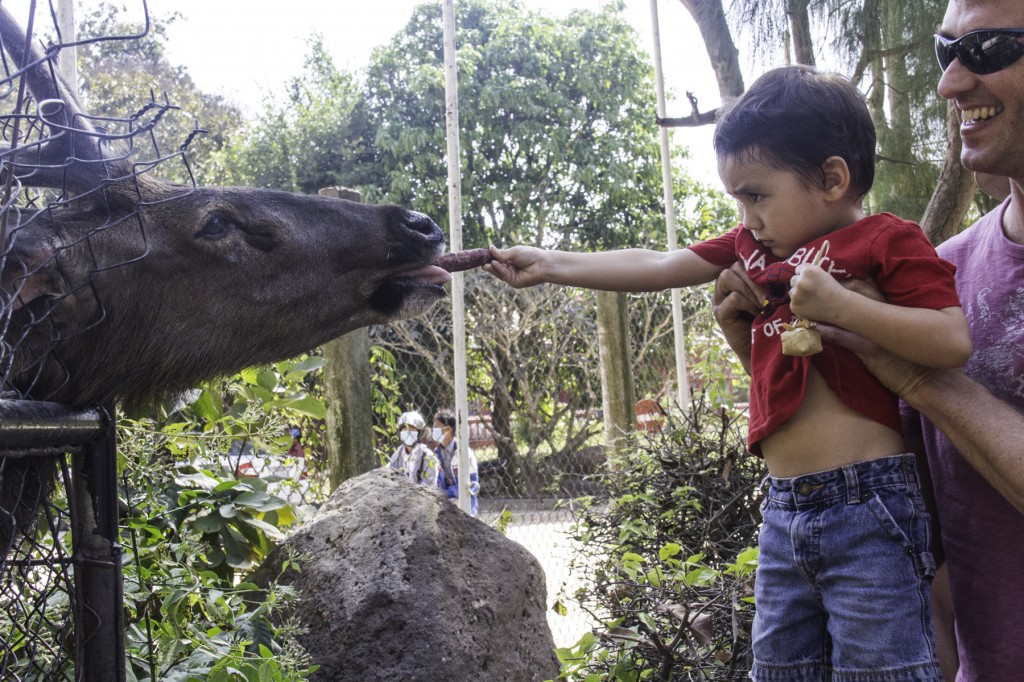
point(936, 338)
point(988, 432)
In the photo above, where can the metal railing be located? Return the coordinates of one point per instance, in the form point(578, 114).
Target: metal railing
point(56, 605)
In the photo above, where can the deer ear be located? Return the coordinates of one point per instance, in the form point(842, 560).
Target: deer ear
point(30, 272)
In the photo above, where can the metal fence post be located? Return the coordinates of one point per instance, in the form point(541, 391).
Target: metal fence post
point(99, 603)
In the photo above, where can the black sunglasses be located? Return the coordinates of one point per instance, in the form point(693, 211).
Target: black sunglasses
point(981, 52)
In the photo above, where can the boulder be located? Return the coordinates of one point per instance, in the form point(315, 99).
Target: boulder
point(399, 584)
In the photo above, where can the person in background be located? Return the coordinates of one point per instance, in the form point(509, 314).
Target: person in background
point(447, 451)
point(296, 450)
point(413, 458)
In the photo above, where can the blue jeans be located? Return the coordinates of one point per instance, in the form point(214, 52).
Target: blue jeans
point(843, 584)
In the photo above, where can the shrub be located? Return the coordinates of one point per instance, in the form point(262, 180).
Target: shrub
point(668, 549)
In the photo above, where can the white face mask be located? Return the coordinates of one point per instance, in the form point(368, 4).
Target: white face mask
point(408, 437)
point(436, 433)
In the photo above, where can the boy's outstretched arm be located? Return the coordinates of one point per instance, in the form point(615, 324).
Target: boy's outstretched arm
point(934, 338)
point(622, 270)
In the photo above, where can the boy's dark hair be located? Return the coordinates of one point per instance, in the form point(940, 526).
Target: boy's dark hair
point(794, 118)
point(446, 417)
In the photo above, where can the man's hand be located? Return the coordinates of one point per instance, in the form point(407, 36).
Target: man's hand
point(737, 299)
point(898, 375)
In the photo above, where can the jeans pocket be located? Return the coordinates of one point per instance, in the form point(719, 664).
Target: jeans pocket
point(905, 525)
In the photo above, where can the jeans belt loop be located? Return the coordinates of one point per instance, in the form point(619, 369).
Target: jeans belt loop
point(909, 470)
point(852, 484)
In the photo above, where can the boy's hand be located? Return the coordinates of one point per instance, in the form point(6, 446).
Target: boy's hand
point(518, 265)
point(814, 294)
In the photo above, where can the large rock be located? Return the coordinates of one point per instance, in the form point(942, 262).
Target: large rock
point(402, 585)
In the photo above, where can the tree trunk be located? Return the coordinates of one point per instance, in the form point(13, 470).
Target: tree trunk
point(800, 27)
point(501, 423)
point(709, 16)
point(348, 394)
point(952, 197)
point(618, 397)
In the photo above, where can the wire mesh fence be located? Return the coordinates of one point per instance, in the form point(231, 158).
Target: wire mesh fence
point(55, 161)
point(37, 591)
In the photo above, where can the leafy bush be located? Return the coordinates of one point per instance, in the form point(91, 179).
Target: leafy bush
point(194, 528)
point(669, 553)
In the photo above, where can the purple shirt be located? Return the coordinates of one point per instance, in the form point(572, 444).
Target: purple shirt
point(982, 534)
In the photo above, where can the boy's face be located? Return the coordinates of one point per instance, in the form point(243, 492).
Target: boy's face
point(779, 207)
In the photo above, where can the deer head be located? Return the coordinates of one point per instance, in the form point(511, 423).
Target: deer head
point(127, 286)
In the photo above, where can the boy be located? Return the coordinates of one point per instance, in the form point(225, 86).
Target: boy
point(844, 570)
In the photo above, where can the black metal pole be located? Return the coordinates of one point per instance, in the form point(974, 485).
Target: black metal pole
point(99, 590)
point(32, 426)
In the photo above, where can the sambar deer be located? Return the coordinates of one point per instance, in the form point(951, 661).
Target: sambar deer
point(127, 286)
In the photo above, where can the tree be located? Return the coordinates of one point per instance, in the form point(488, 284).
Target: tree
point(556, 117)
point(121, 78)
point(307, 141)
point(560, 150)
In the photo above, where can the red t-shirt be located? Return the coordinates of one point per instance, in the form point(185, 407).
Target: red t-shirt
point(890, 251)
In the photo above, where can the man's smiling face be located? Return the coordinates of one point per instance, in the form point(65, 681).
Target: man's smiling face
point(991, 106)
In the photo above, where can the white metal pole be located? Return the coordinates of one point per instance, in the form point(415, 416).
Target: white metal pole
point(68, 61)
point(682, 381)
point(451, 111)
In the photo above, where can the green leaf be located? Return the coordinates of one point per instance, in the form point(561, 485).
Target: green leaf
point(208, 407)
point(250, 375)
point(309, 363)
point(669, 550)
point(267, 380)
point(308, 406)
point(259, 501)
point(209, 522)
point(237, 550)
point(270, 531)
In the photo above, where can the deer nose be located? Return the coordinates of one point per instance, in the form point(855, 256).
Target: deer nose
point(418, 222)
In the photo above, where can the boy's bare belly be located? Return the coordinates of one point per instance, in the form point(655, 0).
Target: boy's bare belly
point(824, 434)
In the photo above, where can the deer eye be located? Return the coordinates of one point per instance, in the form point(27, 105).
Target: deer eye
point(217, 226)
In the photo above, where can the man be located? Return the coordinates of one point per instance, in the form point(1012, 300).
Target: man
point(972, 426)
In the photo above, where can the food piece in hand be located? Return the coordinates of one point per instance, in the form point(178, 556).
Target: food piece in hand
point(800, 339)
point(464, 260)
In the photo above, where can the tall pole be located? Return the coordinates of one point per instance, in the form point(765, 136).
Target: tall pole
point(67, 62)
point(682, 381)
point(451, 111)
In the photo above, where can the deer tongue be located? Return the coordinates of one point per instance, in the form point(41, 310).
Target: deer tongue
point(429, 274)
